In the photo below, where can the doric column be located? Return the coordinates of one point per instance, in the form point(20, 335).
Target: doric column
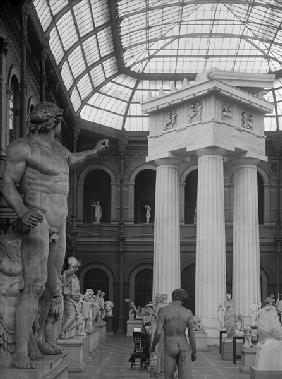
point(166, 275)
point(76, 131)
point(210, 286)
point(246, 251)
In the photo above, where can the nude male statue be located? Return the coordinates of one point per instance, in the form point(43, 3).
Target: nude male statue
point(39, 165)
point(174, 319)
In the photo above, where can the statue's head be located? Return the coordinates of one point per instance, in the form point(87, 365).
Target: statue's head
point(72, 262)
point(179, 294)
point(44, 117)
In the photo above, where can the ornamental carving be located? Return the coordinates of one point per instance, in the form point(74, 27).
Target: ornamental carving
point(247, 120)
point(226, 111)
point(171, 120)
point(195, 112)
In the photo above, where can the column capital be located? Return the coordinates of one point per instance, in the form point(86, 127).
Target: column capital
point(211, 151)
point(244, 162)
point(167, 162)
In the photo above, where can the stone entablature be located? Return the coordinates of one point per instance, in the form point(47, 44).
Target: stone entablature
point(208, 113)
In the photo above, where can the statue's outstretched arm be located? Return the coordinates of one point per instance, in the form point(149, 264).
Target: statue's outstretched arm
point(190, 326)
point(76, 159)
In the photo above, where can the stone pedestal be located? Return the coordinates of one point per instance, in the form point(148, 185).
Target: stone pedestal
point(49, 367)
point(166, 276)
point(110, 325)
point(96, 338)
point(248, 356)
point(201, 341)
point(103, 333)
point(131, 324)
point(75, 349)
point(227, 349)
point(260, 374)
point(246, 251)
point(210, 249)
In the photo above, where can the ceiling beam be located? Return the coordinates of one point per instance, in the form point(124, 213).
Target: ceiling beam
point(203, 2)
point(201, 35)
point(59, 15)
point(163, 76)
point(116, 32)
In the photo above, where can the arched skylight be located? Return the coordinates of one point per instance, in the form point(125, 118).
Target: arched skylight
point(110, 53)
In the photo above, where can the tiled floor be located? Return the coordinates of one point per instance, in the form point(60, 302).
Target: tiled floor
point(110, 360)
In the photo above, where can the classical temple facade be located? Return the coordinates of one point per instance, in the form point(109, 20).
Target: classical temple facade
point(117, 253)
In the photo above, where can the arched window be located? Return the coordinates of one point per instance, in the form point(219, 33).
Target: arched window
point(97, 187)
point(143, 287)
point(14, 110)
point(96, 279)
point(188, 283)
point(260, 199)
point(191, 186)
point(144, 194)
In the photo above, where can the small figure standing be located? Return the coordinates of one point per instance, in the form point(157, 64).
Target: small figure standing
point(97, 211)
point(133, 311)
point(148, 213)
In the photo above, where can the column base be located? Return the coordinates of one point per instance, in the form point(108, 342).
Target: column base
point(201, 341)
point(211, 329)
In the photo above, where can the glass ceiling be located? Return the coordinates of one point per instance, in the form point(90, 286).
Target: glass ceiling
point(111, 53)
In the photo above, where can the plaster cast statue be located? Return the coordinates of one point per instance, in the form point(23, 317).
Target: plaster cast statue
point(32, 160)
point(87, 305)
point(108, 305)
point(247, 333)
point(133, 311)
point(11, 282)
point(198, 324)
point(148, 213)
point(220, 316)
point(72, 300)
point(173, 319)
point(229, 316)
point(147, 317)
point(96, 309)
point(269, 346)
point(54, 320)
point(238, 325)
point(254, 313)
point(97, 212)
point(102, 304)
point(279, 307)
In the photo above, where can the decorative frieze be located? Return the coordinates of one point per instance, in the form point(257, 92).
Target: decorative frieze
point(195, 112)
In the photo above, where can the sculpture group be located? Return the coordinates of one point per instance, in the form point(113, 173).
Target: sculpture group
point(31, 259)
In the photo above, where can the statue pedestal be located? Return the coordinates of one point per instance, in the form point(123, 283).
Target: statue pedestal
point(227, 349)
point(96, 337)
point(50, 366)
point(131, 324)
point(261, 374)
point(248, 356)
point(75, 349)
point(110, 324)
point(201, 341)
point(103, 333)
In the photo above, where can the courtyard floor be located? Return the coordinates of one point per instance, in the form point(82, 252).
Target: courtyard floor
point(110, 360)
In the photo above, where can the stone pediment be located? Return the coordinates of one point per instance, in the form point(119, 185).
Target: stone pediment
point(201, 89)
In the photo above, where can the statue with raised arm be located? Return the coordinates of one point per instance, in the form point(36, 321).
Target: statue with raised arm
point(38, 165)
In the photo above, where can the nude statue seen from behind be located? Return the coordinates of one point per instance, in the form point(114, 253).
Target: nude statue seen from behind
point(173, 319)
point(39, 165)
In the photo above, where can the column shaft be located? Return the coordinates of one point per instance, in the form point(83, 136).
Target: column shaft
point(166, 275)
point(246, 252)
point(210, 247)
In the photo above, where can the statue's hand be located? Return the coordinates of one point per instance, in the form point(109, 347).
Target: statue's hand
point(31, 218)
point(102, 145)
point(193, 357)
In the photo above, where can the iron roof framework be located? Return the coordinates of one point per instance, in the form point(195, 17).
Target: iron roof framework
point(112, 53)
